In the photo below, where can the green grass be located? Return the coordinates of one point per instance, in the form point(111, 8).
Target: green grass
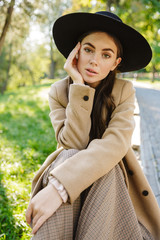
point(26, 139)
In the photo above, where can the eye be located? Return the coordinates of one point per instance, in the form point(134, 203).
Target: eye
point(88, 50)
point(106, 55)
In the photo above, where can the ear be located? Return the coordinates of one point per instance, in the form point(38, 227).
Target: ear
point(117, 62)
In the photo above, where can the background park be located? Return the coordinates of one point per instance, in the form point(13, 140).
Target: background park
point(29, 64)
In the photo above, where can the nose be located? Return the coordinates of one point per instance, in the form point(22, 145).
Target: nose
point(94, 59)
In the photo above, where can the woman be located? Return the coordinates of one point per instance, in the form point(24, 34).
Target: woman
point(94, 189)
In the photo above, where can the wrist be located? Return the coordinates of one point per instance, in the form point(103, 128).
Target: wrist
point(60, 188)
point(56, 198)
point(79, 81)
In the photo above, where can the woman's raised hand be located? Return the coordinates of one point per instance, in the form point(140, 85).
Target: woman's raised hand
point(71, 65)
point(42, 206)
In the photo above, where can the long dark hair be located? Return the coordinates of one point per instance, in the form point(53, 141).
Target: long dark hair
point(103, 105)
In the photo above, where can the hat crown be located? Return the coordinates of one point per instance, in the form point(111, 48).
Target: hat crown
point(109, 14)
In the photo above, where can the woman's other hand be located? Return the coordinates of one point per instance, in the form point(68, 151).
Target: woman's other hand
point(71, 65)
point(42, 206)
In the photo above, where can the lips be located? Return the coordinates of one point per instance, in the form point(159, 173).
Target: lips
point(91, 71)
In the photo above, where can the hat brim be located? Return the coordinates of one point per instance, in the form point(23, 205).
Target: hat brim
point(68, 28)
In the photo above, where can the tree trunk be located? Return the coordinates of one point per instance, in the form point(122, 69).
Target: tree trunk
point(6, 24)
point(153, 73)
point(52, 64)
point(108, 5)
point(32, 76)
point(5, 83)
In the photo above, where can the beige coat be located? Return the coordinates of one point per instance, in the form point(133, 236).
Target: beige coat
point(71, 106)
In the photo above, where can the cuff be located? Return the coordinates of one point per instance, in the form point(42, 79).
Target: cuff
point(60, 188)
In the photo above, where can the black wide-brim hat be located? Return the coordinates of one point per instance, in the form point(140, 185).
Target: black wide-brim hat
point(68, 29)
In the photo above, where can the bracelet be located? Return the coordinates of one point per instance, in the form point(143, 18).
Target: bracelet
point(60, 188)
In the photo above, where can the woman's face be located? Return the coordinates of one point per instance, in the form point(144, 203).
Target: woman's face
point(97, 57)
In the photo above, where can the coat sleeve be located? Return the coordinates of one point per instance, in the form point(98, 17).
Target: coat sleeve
point(71, 123)
point(83, 169)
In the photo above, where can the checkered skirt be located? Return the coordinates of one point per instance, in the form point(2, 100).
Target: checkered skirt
point(104, 211)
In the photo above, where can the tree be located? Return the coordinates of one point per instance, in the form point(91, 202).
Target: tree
point(51, 11)
point(15, 28)
point(152, 27)
point(7, 23)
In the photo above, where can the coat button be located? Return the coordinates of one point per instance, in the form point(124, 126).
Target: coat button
point(130, 172)
point(145, 193)
point(85, 98)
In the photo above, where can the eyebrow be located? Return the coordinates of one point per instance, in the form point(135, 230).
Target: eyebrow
point(105, 49)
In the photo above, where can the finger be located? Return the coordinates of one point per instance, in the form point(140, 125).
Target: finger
point(71, 60)
point(38, 224)
point(35, 219)
point(76, 48)
point(74, 51)
point(29, 214)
